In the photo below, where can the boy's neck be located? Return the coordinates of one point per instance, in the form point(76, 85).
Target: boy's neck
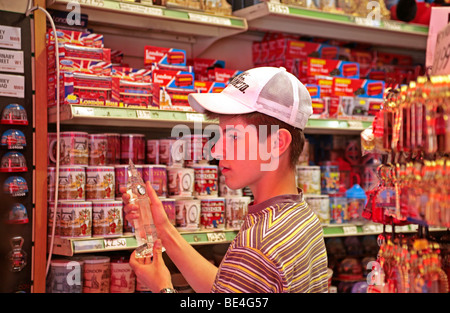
point(274, 183)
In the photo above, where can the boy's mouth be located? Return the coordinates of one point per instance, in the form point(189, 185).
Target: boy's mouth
point(223, 169)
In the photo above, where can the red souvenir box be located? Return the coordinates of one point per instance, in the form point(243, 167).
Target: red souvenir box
point(168, 57)
point(334, 68)
point(207, 87)
point(75, 37)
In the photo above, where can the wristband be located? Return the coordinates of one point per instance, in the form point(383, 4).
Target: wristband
point(167, 290)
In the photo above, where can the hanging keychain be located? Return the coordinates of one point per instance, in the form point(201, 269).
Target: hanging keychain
point(17, 256)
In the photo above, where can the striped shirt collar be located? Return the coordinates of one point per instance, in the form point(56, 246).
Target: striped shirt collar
point(288, 198)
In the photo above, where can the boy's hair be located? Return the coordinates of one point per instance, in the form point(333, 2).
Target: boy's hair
point(257, 119)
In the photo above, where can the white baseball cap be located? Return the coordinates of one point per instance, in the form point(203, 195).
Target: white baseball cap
point(269, 90)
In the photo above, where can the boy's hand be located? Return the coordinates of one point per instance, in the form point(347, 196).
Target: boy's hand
point(152, 272)
point(131, 210)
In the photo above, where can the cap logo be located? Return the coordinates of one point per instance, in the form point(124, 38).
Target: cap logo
point(239, 82)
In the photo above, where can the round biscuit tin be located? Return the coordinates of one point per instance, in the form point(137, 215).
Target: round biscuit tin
point(96, 274)
point(123, 279)
point(153, 151)
point(171, 152)
point(72, 183)
point(308, 179)
point(320, 204)
point(169, 208)
point(205, 180)
point(236, 209)
point(120, 178)
point(180, 181)
point(157, 176)
point(107, 218)
point(100, 183)
point(75, 219)
point(212, 213)
point(187, 214)
point(66, 276)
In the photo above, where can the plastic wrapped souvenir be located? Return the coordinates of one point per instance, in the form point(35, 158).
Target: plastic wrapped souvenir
point(13, 161)
point(14, 114)
point(13, 139)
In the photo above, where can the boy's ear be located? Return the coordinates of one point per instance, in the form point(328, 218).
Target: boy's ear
point(282, 140)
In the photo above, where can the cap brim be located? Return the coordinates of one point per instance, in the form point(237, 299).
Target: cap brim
point(217, 103)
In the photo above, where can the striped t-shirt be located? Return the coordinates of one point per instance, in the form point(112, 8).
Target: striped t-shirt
point(280, 248)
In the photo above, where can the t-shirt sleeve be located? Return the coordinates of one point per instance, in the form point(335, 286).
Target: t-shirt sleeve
point(247, 270)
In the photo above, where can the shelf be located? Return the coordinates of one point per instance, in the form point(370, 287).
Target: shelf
point(206, 28)
point(279, 17)
point(72, 246)
point(125, 117)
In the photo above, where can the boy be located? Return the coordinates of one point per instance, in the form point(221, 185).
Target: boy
point(280, 247)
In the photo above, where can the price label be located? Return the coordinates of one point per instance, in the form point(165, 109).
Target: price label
point(143, 114)
point(84, 111)
point(209, 19)
point(141, 9)
point(95, 3)
point(355, 124)
point(115, 243)
point(195, 117)
point(350, 230)
point(392, 25)
point(216, 237)
point(278, 8)
point(441, 61)
point(367, 21)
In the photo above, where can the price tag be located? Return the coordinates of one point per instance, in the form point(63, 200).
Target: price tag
point(143, 114)
point(84, 111)
point(115, 243)
point(350, 230)
point(84, 245)
point(355, 124)
point(209, 19)
point(363, 21)
point(216, 237)
point(95, 3)
point(141, 9)
point(278, 8)
point(441, 61)
point(195, 117)
point(392, 25)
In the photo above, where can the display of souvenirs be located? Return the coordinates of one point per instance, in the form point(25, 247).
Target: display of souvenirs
point(13, 162)
point(15, 186)
point(14, 114)
point(13, 139)
point(17, 215)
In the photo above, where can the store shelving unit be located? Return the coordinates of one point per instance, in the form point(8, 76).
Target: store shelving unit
point(199, 28)
point(140, 117)
point(73, 246)
point(278, 17)
point(200, 31)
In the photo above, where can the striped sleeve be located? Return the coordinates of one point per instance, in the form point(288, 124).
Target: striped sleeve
point(248, 270)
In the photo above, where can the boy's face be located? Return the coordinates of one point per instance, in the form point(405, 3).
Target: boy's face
point(244, 153)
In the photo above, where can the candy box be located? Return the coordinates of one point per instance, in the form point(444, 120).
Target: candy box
point(75, 37)
point(208, 87)
point(334, 68)
point(165, 56)
point(364, 88)
point(202, 65)
point(83, 66)
point(135, 94)
point(132, 74)
point(318, 104)
point(222, 75)
point(77, 52)
point(171, 89)
point(302, 49)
